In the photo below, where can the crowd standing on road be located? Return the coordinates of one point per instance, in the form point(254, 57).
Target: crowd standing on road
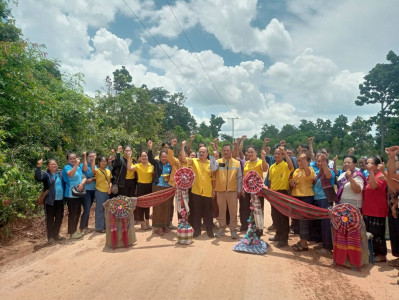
point(310, 177)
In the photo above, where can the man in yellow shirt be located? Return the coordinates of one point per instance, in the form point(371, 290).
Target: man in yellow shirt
point(228, 183)
point(202, 191)
point(279, 174)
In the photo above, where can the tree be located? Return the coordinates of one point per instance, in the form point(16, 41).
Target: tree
point(8, 31)
point(381, 87)
point(340, 127)
point(204, 130)
point(269, 131)
point(323, 131)
point(360, 131)
point(287, 131)
point(215, 125)
point(122, 80)
point(307, 128)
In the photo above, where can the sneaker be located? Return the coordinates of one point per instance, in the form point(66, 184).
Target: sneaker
point(77, 235)
point(59, 238)
point(219, 233)
point(233, 234)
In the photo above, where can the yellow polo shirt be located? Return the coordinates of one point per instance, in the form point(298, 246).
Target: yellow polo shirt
point(303, 184)
point(103, 179)
point(279, 175)
point(130, 174)
point(203, 177)
point(144, 173)
point(253, 165)
point(176, 165)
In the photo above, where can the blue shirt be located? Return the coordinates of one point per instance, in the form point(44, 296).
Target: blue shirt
point(89, 174)
point(317, 188)
point(70, 182)
point(59, 189)
point(165, 171)
point(366, 173)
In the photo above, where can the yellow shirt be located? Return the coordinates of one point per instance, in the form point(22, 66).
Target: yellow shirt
point(279, 174)
point(130, 174)
point(303, 184)
point(203, 177)
point(176, 165)
point(103, 179)
point(253, 165)
point(144, 173)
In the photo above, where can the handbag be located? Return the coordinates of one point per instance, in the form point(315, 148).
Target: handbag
point(78, 193)
point(114, 187)
point(42, 196)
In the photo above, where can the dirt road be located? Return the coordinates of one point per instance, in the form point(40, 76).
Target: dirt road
point(158, 268)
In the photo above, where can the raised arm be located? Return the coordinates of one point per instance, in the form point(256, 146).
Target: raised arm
point(190, 142)
point(234, 154)
point(241, 146)
point(265, 165)
point(351, 150)
point(129, 164)
point(93, 164)
point(85, 166)
point(335, 165)
point(265, 141)
point(39, 175)
point(151, 158)
point(391, 166)
point(72, 172)
point(305, 164)
point(117, 162)
point(310, 141)
point(324, 167)
point(287, 158)
point(356, 188)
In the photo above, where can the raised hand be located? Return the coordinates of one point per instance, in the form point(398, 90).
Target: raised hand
point(351, 150)
point(244, 137)
point(311, 139)
point(335, 158)
point(173, 142)
point(348, 174)
point(183, 144)
point(119, 149)
point(149, 144)
point(192, 137)
point(392, 151)
point(266, 140)
point(263, 153)
point(84, 153)
point(282, 143)
point(77, 162)
point(381, 167)
point(40, 162)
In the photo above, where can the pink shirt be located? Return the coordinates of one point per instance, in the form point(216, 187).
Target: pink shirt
point(375, 201)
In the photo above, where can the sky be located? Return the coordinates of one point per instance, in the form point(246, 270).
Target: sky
point(263, 62)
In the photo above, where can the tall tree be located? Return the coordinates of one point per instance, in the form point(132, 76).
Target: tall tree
point(269, 131)
point(215, 125)
point(360, 131)
point(340, 127)
point(122, 80)
point(381, 87)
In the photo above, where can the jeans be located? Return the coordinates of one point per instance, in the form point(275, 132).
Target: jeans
point(326, 236)
point(88, 200)
point(101, 198)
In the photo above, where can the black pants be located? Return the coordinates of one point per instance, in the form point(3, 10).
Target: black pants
point(129, 189)
point(74, 209)
point(144, 189)
point(281, 222)
point(201, 206)
point(54, 216)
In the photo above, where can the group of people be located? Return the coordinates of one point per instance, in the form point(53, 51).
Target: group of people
point(217, 191)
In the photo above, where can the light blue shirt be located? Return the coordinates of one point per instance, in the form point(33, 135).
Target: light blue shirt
point(59, 189)
point(317, 188)
point(165, 171)
point(89, 174)
point(70, 182)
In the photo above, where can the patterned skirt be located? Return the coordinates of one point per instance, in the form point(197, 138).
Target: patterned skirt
point(161, 213)
point(376, 226)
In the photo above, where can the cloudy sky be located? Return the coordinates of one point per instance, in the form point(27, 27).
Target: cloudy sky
point(265, 61)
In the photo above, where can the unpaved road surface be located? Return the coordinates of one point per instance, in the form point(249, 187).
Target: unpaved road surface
point(158, 268)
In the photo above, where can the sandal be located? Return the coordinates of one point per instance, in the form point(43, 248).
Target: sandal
point(298, 247)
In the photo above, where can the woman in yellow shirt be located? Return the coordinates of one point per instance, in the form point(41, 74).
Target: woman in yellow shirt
point(260, 166)
point(103, 190)
point(145, 172)
point(302, 189)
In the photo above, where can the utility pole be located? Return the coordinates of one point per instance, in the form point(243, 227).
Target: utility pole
point(232, 125)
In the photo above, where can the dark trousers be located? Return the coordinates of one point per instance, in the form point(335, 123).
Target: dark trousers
point(88, 200)
point(74, 209)
point(54, 216)
point(129, 189)
point(326, 236)
point(304, 225)
point(201, 206)
point(144, 189)
point(281, 222)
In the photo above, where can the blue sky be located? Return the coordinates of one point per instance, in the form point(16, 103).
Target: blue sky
point(272, 61)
